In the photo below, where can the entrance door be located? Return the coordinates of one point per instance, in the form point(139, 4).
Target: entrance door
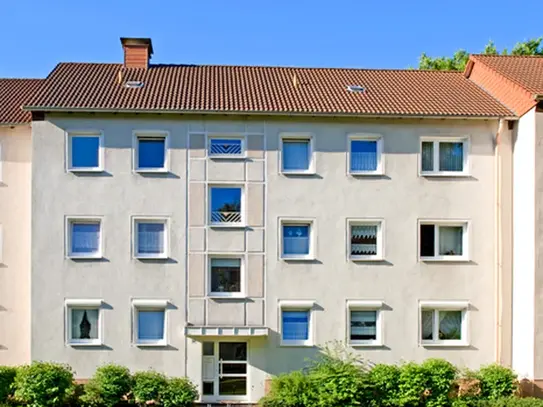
point(224, 370)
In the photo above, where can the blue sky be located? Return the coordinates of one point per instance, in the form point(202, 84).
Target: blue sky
point(38, 34)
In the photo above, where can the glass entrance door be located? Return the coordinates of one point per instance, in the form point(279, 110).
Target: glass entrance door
point(224, 372)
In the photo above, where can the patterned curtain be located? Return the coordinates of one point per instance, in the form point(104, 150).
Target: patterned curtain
point(295, 155)
point(84, 323)
point(151, 238)
point(150, 325)
point(451, 156)
point(363, 240)
point(450, 325)
point(85, 237)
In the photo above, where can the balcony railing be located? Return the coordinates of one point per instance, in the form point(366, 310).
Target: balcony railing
point(225, 217)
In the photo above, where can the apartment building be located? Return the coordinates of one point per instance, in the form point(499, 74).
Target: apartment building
point(15, 157)
point(225, 222)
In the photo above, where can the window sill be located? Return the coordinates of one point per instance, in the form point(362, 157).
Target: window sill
point(445, 174)
point(298, 258)
point(228, 157)
point(296, 344)
point(452, 259)
point(151, 257)
point(85, 170)
point(223, 296)
point(151, 171)
point(362, 259)
point(85, 257)
point(85, 344)
point(357, 174)
point(307, 173)
point(445, 344)
point(227, 225)
point(355, 344)
point(160, 344)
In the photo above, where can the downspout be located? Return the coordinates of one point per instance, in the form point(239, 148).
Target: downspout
point(498, 283)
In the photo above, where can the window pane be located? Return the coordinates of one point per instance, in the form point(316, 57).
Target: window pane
point(296, 155)
point(151, 238)
point(234, 368)
point(363, 240)
point(427, 156)
point(233, 351)
point(85, 151)
point(450, 240)
point(208, 389)
point(427, 325)
point(225, 205)
point(225, 275)
point(232, 386)
point(150, 325)
point(151, 152)
point(363, 325)
point(85, 238)
point(363, 155)
point(427, 240)
point(450, 325)
point(296, 240)
point(295, 325)
point(84, 323)
point(225, 147)
point(208, 348)
point(451, 156)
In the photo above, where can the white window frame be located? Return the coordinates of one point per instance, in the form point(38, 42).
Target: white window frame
point(366, 305)
point(243, 289)
point(70, 220)
point(312, 158)
point(312, 238)
point(150, 134)
point(69, 305)
point(380, 170)
point(223, 136)
point(465, 140)
point(241, 223)
point(149, 305)
point(437, 306)
point(84, 133)
point(298, 305)
point(150, 219)
point(465, 224)
point(380, 223)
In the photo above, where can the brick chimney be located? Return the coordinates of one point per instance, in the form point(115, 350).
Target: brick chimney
point(137, 52)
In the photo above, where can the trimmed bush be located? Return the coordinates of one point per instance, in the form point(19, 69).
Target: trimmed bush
point(511, 402)
point(293, 389)
point(412, 385)
point(148, 386)
point(384, 382)
point(7, 376)
point(107, 387)
point(43, 384)
point(440, 381)
point(178, 392)
point(497, 382)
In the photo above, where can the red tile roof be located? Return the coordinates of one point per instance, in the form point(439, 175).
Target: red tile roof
point(13, 94)
point(265, 90)
point(526, 71)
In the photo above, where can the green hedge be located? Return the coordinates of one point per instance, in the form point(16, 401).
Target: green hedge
point(341, 380)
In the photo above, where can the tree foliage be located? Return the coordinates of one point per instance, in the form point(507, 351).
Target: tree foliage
point(460, 58)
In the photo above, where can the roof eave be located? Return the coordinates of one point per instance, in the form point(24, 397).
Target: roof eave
point(11, 124)
point(268, 113)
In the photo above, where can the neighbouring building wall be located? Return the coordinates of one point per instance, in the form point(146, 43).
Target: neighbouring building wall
point(15, 169)
point(524, 246)
point(117, 194)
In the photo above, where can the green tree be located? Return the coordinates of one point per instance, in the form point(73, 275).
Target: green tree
point(460, 58)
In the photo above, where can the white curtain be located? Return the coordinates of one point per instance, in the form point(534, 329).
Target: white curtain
point(150, 325)
point(450, 240)
point(84, 323)
point(427, 156)
point(427, 325)
point(151, 238)
point(85, 237)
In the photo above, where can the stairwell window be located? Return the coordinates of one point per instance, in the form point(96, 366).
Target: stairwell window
point(297, 239)
point(151, 152)
point(85, 152)
point(84, 238)
point(365, 155)
point(297, 155)
point(226, 147)
point(444, 240)
point(444, 323)
point(83, 322)
point(151, 238)
point(226, 205)
point(225, 277)
point(365, 239)
point(444, 156)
